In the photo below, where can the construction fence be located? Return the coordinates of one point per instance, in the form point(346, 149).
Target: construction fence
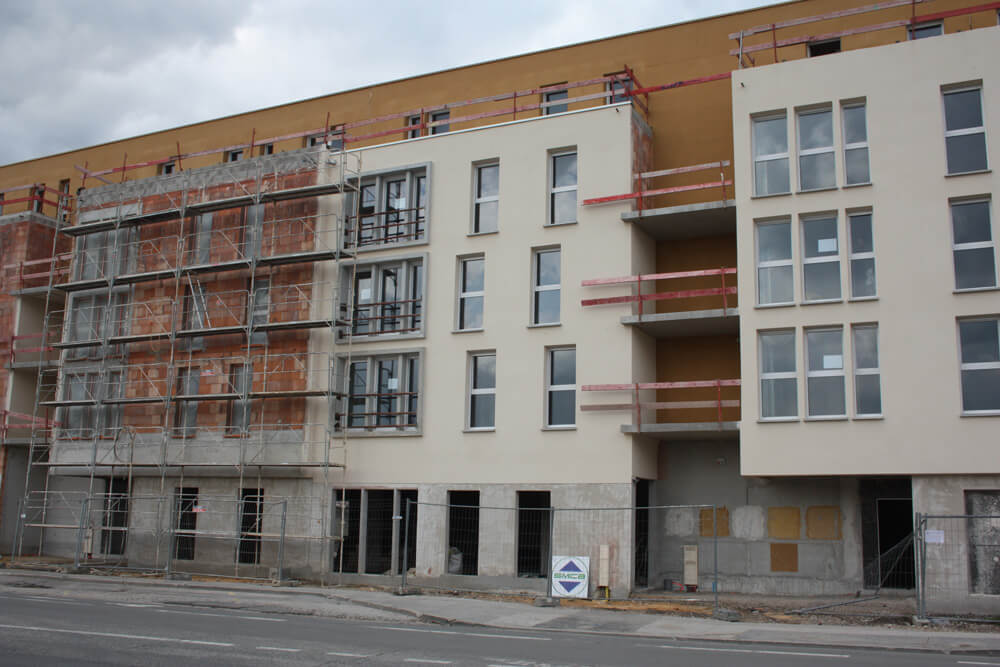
point(958, 563)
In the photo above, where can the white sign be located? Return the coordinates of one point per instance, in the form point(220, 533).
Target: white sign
point(571, 576)
point(393, 383)
point(366, 294)
point(833, 361)
point(934, 536)
point(827, 245)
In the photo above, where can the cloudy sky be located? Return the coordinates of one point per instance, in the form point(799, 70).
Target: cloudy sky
point(76, 73)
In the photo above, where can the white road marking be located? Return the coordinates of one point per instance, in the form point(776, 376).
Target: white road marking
point(278, 648)
point(470, 634)
point(429, 661)
point(758, 651)
point(134, 604)
point(970, 662)
point(204, 613)
point(41, 599)
point(347, 655)
point(114, 635)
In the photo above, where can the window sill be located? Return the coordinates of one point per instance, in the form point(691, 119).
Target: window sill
point(868, 418)
point(561, 224)
point(464, 331)
point(777, 420)
point(967, 290)
point(981, 413)
point(969, 173)
point(380, 432)
point(866, 184)
point(386, 246)
point(764, 306)
point(495, 231)
point(492, 429)
point(544, 325)
point(825, 418)
point(822, 301)
point(567, 427)
point(824, 189)
point(385, 335)
point(856, 299)
point(773, 194)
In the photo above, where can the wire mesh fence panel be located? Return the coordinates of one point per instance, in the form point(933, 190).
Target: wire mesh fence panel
point(959, 558)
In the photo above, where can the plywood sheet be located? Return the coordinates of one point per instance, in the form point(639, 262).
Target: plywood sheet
point(784, 557)
point(823, 522)
point(784, 523)
point(722, 515)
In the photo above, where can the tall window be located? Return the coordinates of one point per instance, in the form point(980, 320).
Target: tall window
point(980, 343)
point(482, 390)
point(487, 200)
point(390, 209)
point(867, 377)
point(438, 117)
point(251, 516)
point(820, 259)
point(856, 169)
point(972, 243)
point(770, 155)
point(562, 192)
point(185, 500)
point(774, 263)
point(238, 412)
point(965, 135)
point(546, 288)
point(200, 251)
point(825, 373)
point(258, 308)
point(560, 380)
point(413, 121)
point(778, 380)
point(87, 421)
point(186, 411)
point(555, 96)
point(816, 161)
point(862, 255)
point(383, 392)
point(471, 293)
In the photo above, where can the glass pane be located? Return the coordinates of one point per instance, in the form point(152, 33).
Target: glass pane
point(778, 398)
point(774, 241)
point(822, 281)
point(820, 237)
point(774, 285)
point(862, 278)
point(547, 268)
point(562, 408)
point(817, 171)
point(975, 268)
point(777, 352)
point(563, 207)
point(861, 233)
point(981, 389)
point(971, 222)
point(388, 390)
point(815, 130)
point(471, 315)
point(771, 177)
point(868, 395)
point(556, 108)
point(472, 275)
point(925, 31)
point(489, 181)
point(484, 371)
point(487, 214)
point(963, 110)
point(769, 136)
point(856, 163)
point(826, 396)
point(966, 153)
point(825, 349)
point(563, 370)
point(547, 307)
point(482, 411)
point(356, 405)
point(855, 129)
point(413, 388)
point(980, 341)
point(564, 170)
point(866, 347)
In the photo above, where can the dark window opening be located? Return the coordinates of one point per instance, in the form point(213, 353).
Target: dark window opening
point(642, 533)
point(408, 532)
point(887, 533)
point(378, 538)
point(824, 48)
point(114, 528)
point(345, 529)
point(185, 501)
point(266, 149)
point(534, 518)
point(983, 537)
point(463, 532)
point(251, 511)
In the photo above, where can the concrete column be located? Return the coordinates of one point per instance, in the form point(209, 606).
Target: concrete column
point(498, 531)
point(363, 532)
point(432, 530)
point(850, 508)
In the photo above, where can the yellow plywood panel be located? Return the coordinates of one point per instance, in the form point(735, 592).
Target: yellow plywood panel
point(722, 515)
point(784, 558)
point(783, 523)
point(823, 523)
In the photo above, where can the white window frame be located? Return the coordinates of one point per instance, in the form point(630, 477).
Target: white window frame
point(234, 155)
point(773, 263)
point(462, 295)
point(974, 245)
point(825, 372)
point(974, 366)
point(480, 391)
point(965, 131)
point(550, 388)
point(410, 122)
point(553, 189)
point(436, 116)
point(405, 384)
point(770, 157)
point(809, 152)
point(536, 288)
point(828, 259)
point(855, 145)
point(853, 255)
point(167, 168)
point(477, 200)
point(860, 370)
point(776, 375)
point(265, 149)
point(555, 96)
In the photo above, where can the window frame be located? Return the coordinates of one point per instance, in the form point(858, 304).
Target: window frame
point(553, 189)
point(240, 380)
point(409, 286)
point(830, 150)
point(437, 116)
point(413, 218)
point(854, 145)
point(965, 131)
point(265, 149)
point(473, 391)
point(824, 259)
point(552, 388)
point(824, 372)
point(185, 421)
point(537, 287)
point(853, 255)
point(973, 245)
point(860, 371)
point(411, 121)
point(478, 199)
point(234, 155)
point(555, 96)
point(923, 26)
point(406, 424)
point(770, 157)
point(462, 294)
point(763, 376)
point(975, 365)
point(774, 263)
point(624, 82)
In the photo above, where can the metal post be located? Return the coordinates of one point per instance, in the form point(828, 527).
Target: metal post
point(406, 547)
point(21, 517)
point(552, 551)
point(715, 557)
point(281, 540)
point(80, 532)
point(922, 570)
point(172, 534)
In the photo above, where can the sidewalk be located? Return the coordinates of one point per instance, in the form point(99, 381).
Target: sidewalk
point(452, 610)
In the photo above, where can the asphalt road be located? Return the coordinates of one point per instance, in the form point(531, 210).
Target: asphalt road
point(49, 628)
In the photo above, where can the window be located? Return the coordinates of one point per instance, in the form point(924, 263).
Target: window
point(816, 161)
point(980, 345)
point(94, 418)
point(972, 243)
point(820, 259)
point(89, 319)
point(471, 293)
point(964, 135)
point(546, 292)
point(186, 411)
point(251, 515)
point(1, 203)
point(774, 263)
point(856, 169)
point(64, 203)
point(265, 149)
point(555, 96)
point(925, 30)
point(333, 139)
point(390, 208)
point(825, 373)
point(238, 410)
point(233, 156)
point(778, 380)
point(185, 500)
point(387, 297)
point(482, 391)
point(383, 392)
point(862, 265)
point(102, 255)
point(39, 202)
point(259, 309)
point(770, 155)
point(867, 378)
point(442, 118)
point(167, 168)
point(618, 89)
point(562, 193)
point(487, 199)
point(560, 380)
point(411, 122)
point(824, 48)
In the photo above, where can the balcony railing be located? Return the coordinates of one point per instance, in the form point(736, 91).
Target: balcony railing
point(724, 291)
point(716, 404)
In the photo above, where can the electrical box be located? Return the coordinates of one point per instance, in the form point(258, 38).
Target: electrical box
point(690, 564)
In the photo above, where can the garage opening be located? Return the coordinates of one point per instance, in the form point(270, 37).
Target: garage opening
point(533, 519)
point(463, 532)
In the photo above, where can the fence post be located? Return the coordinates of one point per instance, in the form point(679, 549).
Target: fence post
point(171, 537)
point(406, 547)
point(80, 531)
point(715, 558)
point(552, 552)
point(281, 541)
point(922, 568)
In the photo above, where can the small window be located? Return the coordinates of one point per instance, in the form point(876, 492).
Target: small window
point(618, 89)
point(825, 373)
point(560, 379)
point(774, 263)
point(333, 140)
point(265, 149)
point(867, 377)
point(441, 117)
point(980, 359)
point(482, 391)
point(972, 245)
point(562, 191)
point(824, 48)
point(546, 287)
point(856, 168)
point(965, 135)
point(234, 156)
point(555, 96)
point(167, 168)
point(923, 30)
point(411, 122)
point(778, 379)
point(487, 199)
point(862, 266)
point(820, 259)
point(770, 155)
point(816, 160)
point(471, 293)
